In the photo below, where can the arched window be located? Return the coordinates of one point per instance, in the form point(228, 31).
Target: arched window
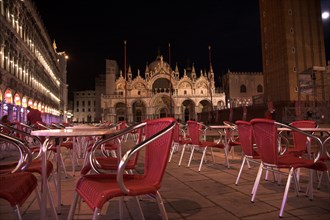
point(243, 89)
point(260, 88)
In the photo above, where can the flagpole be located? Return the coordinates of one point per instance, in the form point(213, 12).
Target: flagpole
point(210, 83)
point(169, 57)
point(125, 74)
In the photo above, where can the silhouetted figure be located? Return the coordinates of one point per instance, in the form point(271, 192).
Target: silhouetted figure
point(33, 116)
point(5, 120)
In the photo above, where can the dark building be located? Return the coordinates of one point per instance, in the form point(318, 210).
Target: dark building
point(293, 53)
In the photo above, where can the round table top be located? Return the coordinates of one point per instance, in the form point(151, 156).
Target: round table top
point(72, 132)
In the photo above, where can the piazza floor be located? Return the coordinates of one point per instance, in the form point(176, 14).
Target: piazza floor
point(189, 194)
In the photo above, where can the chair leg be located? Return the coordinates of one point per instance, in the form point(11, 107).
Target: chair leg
point(172, 151)
point(161, 206)
point(202, 159)
point(226, 157)
point(38, 196)
point(232, 150)
point(182, 152)
point(248, 163)
point(296, 182)
point(327, 172)
point(285, 195)
point(121, 208)
point(18, 212)
point(138, 205)
point(73, 206)
point(51, 201)
point(63, 166)
point(319, 180)
point(256, 183)
point(97, 213)
point(240, 171)
point(191, 155)
point(212, 154)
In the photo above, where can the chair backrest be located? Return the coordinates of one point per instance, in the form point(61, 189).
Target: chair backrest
point(122, 125)
point(176, 133)
point(265, 136)
point(299, 140)
point(157, 152)
point(194, 131)
point(158, 142)
point(245, 134)
point(25, 155)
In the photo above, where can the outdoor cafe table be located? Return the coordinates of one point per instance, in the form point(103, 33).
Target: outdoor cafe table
point(52, 135)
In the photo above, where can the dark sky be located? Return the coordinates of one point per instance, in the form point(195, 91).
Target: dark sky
point(92, 31)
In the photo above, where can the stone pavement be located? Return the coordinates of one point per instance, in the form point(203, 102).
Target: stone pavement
point(209, 194)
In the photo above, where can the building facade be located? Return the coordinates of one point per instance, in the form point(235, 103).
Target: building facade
point(242, 88)
point(99, 90)
point(292, 45)
point(32, 72)
point(159, 93)
point(84, 107)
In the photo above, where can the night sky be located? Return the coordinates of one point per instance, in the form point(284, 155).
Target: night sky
point(90, 32)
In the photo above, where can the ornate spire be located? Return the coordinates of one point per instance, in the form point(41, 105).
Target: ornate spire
point(147, 71)
point(129, 73)
point(193, 72)
point(177, 71)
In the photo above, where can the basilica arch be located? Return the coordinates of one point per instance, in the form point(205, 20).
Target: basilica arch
point(188, 109)
point(139, 110)
point(162, 104)
point(204, 106)
point(161, 85)
point(120, 111)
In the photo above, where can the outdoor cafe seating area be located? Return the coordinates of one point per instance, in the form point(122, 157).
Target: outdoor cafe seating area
point(163, 169)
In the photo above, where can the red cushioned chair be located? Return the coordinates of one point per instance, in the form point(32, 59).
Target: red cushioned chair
point(15, 184)
point(32, 166)
point(97, 189)
point(109, 163)
point(299, 140)
point(233, 139)
point(179, 139)
point(68, 144)
point(250, 152)
point(197, 134)
point(266, 136)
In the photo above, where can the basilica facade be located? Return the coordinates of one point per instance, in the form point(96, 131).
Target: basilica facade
point(161, 92)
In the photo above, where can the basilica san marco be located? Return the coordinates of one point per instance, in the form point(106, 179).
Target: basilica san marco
point(159, 92)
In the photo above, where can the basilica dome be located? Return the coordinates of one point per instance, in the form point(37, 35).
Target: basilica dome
point(159, 63)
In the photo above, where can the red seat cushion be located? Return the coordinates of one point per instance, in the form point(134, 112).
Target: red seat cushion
point(17, 187)
point(96, 190)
